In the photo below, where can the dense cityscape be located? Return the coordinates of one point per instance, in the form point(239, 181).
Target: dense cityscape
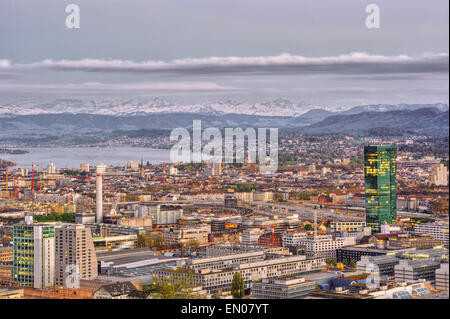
point(238, 158)
point(342, 217)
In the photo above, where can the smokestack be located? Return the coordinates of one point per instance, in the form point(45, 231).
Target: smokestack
point(99, 193)
point(315, 223)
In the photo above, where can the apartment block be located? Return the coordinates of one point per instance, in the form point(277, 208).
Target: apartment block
point(75, 254)
point(293, 238)
point(321, 246)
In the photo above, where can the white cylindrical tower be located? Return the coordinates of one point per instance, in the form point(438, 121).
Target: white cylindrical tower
point(99, 193)
point(315, 223)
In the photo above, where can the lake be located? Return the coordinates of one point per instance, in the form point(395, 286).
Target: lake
point(72, 157)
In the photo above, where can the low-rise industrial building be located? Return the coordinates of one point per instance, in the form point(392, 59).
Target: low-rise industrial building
point(413, 270)
point(282, 288)
point(215, 281)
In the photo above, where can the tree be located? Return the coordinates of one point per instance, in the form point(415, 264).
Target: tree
point(167, 290)
point(55, 217)
point(331, 261)
point(237, 286)
point(308, 227)
point(155, 240)
point(141, 241)
point(352, 264)
point(440, 205)
point(150, 240)
point(334, 262)
point(192, 243)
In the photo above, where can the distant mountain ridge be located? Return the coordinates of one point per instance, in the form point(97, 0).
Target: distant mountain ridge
point(428, 119)
point(397, 107)
point(136, 107)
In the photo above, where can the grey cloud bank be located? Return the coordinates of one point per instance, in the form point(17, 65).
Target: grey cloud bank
point(353, 63)
point(202, 50)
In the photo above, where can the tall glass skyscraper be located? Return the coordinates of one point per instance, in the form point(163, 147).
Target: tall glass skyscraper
point(34, 255)
point(380, 170)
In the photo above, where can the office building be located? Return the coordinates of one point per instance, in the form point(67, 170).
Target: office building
point(442, 277)
point(85, 218)
point(251, 236)
point(321, 246)
point(418, 241)
point(347, 254)
point(34, 254)
point(84, 167)
point(6, 261)
point(292, 238)
point(230, 201)
point(409, 270)
point(160, 214)
point(225, 248)
point(282, 288)
point(350, 226)
point(220, 280)
point(6, 254)
point(439, 230)
point(384, 265)
point(75, 254)
point(51, 168)
point(226, 261)
point(439, 175)
point(380, 170)
point(183, 235)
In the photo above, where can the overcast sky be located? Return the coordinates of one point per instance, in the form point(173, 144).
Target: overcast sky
point(316, 51)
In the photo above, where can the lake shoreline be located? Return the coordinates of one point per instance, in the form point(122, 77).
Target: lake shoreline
point(73, 157)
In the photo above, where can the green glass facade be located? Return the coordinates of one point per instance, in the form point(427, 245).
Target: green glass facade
point(380, 170)
point(24, 251)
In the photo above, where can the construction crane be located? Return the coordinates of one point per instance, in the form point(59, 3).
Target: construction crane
point(272, 228)
point(32, 177)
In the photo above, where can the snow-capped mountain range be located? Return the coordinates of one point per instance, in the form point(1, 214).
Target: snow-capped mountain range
point(133, 107)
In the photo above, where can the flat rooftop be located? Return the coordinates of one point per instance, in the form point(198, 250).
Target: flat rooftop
point(133, 254)
point(320, 275)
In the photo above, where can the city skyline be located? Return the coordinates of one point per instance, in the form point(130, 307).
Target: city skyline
point(223, 153)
